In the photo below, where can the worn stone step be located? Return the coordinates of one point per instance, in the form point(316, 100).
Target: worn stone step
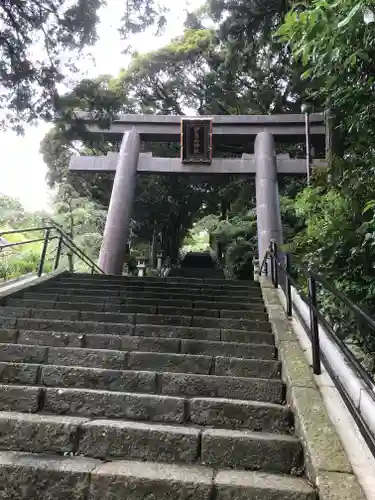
point(175, 388)
point(245, 336)
point(24, 312)
point(250, 313)
point(134, 343)
point(239, 414)
point(245, 485)
point(165, 287)
point(8, 335)
point(107, 300)
point(37, 433)
point(96, 384)
point(200, 322)
point(66, 326)
point(122, 360)
point(251, 389)
point(209, 303)
point(238, 350)
point(208, 334)
point(83, 306)
point(129, 380)
point(228, 299)
point(98, 341)
point(20, 398)
point(141, 361)
point(192, 288)
point(236, 367)
point(80, 377)
point(140, 441)
point(216, 447)
point(26, 476)
point(126, 301)
point(19, 373)
point(249, 450)
point(166, 331)
point(104, 439)
point(111, 404)
point(145, 279)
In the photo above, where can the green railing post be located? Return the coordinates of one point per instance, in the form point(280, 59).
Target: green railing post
point(275, 265)
point(314, 327)
point(44, 252)
point(288, 287)
point(58, 253)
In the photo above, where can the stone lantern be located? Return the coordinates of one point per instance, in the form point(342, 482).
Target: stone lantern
point(141, 266)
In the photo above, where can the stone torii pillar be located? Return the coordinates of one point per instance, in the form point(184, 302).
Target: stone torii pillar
point(267, 194)
point(116, 232)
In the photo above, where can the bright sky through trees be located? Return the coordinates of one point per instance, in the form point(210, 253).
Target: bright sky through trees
point(22, 171)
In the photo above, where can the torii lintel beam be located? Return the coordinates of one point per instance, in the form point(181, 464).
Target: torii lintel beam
point(149, 164)
point(232, 128)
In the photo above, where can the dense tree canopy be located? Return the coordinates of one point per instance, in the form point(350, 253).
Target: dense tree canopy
point(234, 57)
point(35, 37)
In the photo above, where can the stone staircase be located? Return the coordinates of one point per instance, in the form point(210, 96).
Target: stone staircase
point(197, 265)
point(118, 388)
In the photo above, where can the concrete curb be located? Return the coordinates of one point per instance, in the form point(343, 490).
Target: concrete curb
point(19, 287)
point(327, 464)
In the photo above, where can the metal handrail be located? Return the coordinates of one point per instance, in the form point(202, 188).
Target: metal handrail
point(64, 240)
point(19, 243)
point(313, 278)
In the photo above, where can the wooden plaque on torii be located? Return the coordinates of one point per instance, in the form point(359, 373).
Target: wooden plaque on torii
point(196, 140)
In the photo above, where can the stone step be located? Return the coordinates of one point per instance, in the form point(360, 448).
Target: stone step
point(197, 273)
point(134, 343)
point(165, 407)
point(251, 389)
point(111, 439)
point(162, 283)
point(149, 279)
point(229, 298)
point(134, 309)
point(139, 361)
point(138, 318)
point(248, 450)
point(162, 287)
point(26, 476)
point(208, 334)
point(141, 441)
point(170, 287)
point(168, 331)
point(98, 388)
point(93, 403)
point(199, 304)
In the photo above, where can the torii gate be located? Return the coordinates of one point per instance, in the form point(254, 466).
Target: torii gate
point(199, 136)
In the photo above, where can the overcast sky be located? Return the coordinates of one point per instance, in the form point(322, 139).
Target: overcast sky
point(22, 170)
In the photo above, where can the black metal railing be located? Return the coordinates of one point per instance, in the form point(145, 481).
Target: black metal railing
point(281, 274)
point(50, 233)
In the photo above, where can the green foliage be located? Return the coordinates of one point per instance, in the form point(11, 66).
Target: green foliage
point(80, 218)
point(239, 259)
point(22, 259)
point(51, 29)
point(334, 45)
point(336, 48)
